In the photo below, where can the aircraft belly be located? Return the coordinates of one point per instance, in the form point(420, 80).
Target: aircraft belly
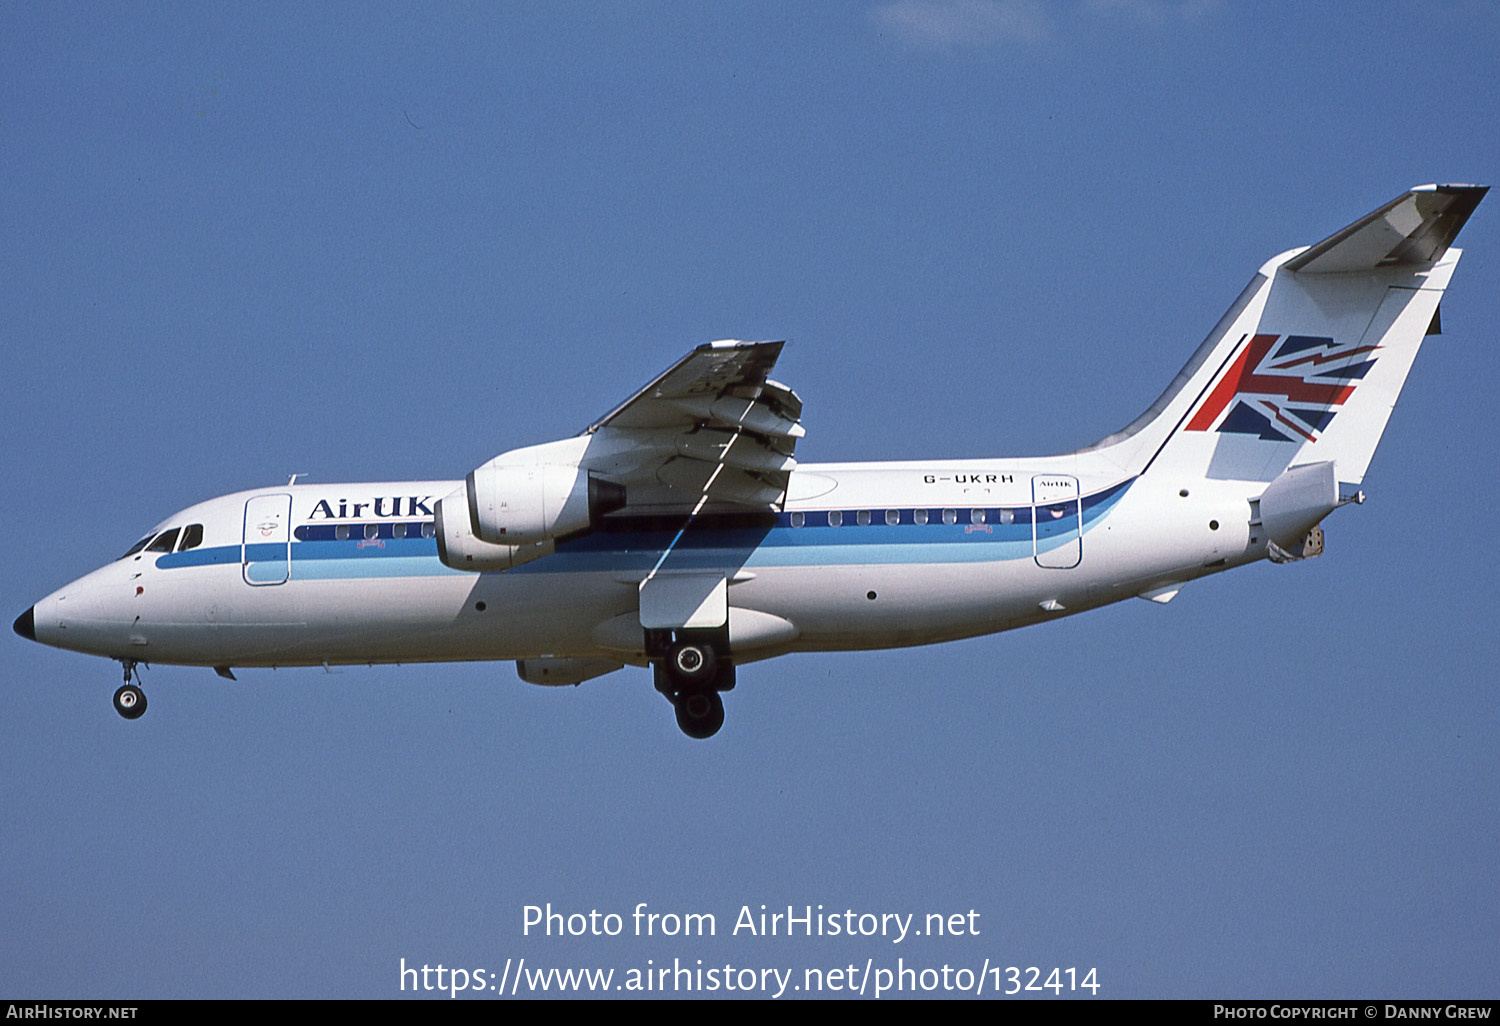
point(443, 618)
point(912, 604)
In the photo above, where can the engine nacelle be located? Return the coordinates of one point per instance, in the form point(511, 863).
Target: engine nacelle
point(459, 549)
point(531, 503)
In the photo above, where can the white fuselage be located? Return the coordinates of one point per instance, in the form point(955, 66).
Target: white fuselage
point(335, 584)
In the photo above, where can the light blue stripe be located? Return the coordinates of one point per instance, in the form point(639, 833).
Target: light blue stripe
point(390, 566)
point(266, 573)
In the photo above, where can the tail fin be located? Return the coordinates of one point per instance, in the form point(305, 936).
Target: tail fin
point(1307, 364)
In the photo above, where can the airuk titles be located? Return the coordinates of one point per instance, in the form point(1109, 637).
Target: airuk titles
point(414, 506)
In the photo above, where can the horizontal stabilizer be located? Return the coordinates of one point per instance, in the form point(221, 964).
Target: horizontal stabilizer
point(1413, 229)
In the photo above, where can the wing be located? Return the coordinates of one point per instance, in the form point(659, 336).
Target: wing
point(712, 429)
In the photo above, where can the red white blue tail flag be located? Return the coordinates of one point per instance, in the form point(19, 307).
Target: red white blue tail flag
point(1284, 388)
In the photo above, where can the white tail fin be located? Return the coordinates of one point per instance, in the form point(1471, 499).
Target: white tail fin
point(1307, 364)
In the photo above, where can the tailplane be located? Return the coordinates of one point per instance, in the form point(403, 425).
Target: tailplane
point(1306, 366)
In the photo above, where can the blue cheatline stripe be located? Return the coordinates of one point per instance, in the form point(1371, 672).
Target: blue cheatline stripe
point(631, 544)
point(200, 557)
point(388, 566)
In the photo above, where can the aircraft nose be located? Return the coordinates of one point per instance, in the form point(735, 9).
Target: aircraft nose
point(25, 624)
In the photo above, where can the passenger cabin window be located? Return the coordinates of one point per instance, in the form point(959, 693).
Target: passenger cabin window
point(372, 531)
point(798, 519)
point(398, 531)
point(192, 537)
point(164, 541)
point(863, 517)
point(919, 516)
point(893, 517)
point(341, 532)
point(976, 516)
point(428, 530)
point(950, 516)
point(835, 518)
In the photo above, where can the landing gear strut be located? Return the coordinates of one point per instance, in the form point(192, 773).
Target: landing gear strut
point(691, 669)
point(130, 700)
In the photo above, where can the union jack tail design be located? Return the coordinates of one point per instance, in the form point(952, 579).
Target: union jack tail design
point(1307, 364)
point(1285, 388)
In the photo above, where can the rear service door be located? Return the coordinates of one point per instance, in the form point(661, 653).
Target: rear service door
point(1057, 530)
point(266, 555)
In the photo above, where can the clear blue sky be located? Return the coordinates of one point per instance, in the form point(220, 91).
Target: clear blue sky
point(378, 243)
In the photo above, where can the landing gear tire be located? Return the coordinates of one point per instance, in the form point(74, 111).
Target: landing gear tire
point(692, 664)
point(700, 714)
point(130, 702)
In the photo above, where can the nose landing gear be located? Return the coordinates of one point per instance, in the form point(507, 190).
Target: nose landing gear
point(130, 700)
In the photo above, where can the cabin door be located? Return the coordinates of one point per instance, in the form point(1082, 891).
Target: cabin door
point(266, 554)
point(1057, 524)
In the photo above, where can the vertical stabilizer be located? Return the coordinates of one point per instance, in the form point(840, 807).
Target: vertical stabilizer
point(1307, 365)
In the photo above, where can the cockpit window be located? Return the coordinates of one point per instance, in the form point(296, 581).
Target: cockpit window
point(164, 541)
point(138, 546)
point(192, 537)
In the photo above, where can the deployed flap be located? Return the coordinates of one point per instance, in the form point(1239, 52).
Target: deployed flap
point(712, 427)
point(675, 601)
point(1415, 228)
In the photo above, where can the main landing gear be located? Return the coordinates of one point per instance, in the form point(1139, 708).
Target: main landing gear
point(130, 700)
point(691, 669)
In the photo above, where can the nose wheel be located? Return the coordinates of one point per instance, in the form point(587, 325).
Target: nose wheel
point(130, 700)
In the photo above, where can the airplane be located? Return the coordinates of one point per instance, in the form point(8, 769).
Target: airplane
point(679, 532)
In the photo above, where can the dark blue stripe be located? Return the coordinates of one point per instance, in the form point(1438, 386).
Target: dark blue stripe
point(326, 532)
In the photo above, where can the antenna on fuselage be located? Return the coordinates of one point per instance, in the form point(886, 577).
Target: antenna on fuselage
point(300, 473)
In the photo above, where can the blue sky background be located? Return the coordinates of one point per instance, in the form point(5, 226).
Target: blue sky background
point(384, 242)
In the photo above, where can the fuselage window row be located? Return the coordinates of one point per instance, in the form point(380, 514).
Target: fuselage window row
point(192, 536)
point(897, 517)
point(367, 532)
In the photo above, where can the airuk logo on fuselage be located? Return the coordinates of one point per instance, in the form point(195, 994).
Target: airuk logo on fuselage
point(1284, 392)
point(399, 506)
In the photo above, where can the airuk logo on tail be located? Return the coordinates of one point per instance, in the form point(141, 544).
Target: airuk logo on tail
point(1284, 388)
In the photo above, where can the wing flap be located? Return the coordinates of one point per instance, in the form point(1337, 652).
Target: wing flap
point(718, 482)
point(712, 427)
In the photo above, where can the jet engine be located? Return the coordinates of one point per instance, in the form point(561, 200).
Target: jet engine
point(511, 513)
point(458, 548)
point(531, 503)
